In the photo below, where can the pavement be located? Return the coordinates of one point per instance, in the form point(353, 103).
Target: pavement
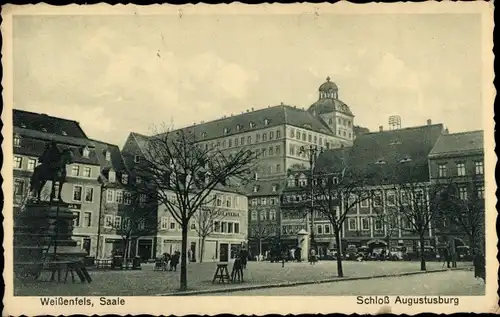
point(448, 283)
point(148, 282)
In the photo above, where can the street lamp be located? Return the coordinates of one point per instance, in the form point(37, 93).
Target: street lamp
point(312, 151)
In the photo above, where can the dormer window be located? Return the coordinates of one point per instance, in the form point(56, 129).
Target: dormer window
point(275, 188)
point(226, 130)
point(381, 162)
point(64, 132)
point(291, 181)
point(266, 122)
point(17, 140)
point(255, 176)
point(86, 152)
point(108, 156)
point(238, 127)
point(137, 159)
point(406, 159)
point(255, 188)
point(112, 176)
point(395, 142)
point(203, 134)
point(124, 179)
point(302, 180)
point(252, 125)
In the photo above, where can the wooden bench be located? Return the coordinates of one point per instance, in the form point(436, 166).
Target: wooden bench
point(221, 274)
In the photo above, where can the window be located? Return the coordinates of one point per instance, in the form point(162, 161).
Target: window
point(110, 195)
point(263, 215)
point(461, 169)
point(31, 164)
point(271, 135)
point(238, 127)
point(108, 221)
point(242, 140)
point(75, 170)
point(77, 192)
point(272, 215)
point(377, 199)
point(365, 224)
point(118, 222)
point(18, 162)
point(271, 151)
point(480, 191)
point(89, 194)
point(278, 168)
point(17, 140)
point(86, 152)
point(226, 130)
point(391, 198)
point(292, 133)
point(164, 223)
point(291, 149)
point(319, 229)
point(352, 224)
point(297, 135)
point(257, 138)
point(309, 138)
point(193, 225)
point(108, 156)
point(138, 180)
point(236, 227)
point(252, 125)
point(137, 159)
point(87, 219)
point(264, 137)
point(223, 228)
point(462, 192)
point(18, 187)
point(378, 224)
point(172, 225)
point(278, 134)
point(229, 227)
point(124, 179)
point(236, 142)
point(224, 144)
point(249, 140)
point(442, 170)
point(112, 176)
point(479, 167)
point(303, 136)
point(263, 201)
point(119, 197)
point(253, 215)
point(143, 198)
point(228, 202)
point(218, 201)
point(404, 198)
point(327, 229)
point(76, 220)
point(87, 172)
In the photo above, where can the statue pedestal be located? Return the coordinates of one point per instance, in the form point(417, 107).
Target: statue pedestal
point(303, 243)
point(42, 236)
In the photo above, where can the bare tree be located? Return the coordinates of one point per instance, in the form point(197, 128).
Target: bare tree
point(180, 173)
point(138, 221)
point(461, 204)
point(335, 196)
point(262, 231)
point(389, 221)
point(204, 223)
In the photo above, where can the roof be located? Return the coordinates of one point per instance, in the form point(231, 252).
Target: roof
point(389, 156)
point(328, 86)
point(459, 143)
point(35, 148)
point(45, 123)
point(264, 187)
point(116, 160)
point(46, 136)
point(261, 118)
point(333, 160)
point(358, 130)
point(327, 105)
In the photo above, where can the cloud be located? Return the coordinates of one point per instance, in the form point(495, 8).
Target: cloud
point(392, 72)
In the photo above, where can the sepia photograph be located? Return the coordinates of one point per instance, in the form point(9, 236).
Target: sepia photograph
point(331, 158)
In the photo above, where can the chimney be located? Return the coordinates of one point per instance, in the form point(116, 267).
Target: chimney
point(248, 110)
point(381, 128)
point(252, 109)
point(429, 121)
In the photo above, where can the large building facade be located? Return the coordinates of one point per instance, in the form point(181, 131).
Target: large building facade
point(32, 133)
point(458, 159)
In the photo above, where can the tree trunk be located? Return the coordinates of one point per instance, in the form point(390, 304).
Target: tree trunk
point(422, 250)
point(183, 259)
point(340, 272)
point(202, 249)
point(260, 248)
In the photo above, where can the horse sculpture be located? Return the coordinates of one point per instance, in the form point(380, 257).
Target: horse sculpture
point(52, 168)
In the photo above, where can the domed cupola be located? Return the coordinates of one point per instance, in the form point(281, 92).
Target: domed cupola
point(328, 90)
point(329, 100)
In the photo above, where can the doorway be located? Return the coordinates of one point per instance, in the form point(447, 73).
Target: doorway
point(86, 245)
point(224, 252)
point(144, 249)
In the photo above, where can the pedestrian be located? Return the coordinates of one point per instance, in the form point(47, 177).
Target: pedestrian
point(447, 256)
point(244, 258)
point(174, 261)
point(190, 255)
point(312, 257)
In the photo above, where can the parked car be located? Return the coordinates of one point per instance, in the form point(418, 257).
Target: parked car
point(464, 253)
point(364, 253)
point(429, 254)
point(351, 253)
point(397, 253)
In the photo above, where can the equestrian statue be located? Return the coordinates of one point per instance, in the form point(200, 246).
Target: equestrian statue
point(52, 168)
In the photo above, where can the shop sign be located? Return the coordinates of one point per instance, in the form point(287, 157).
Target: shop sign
point(231, 214)
point(111, 240)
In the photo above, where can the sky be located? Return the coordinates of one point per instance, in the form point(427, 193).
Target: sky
point(118, 74)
